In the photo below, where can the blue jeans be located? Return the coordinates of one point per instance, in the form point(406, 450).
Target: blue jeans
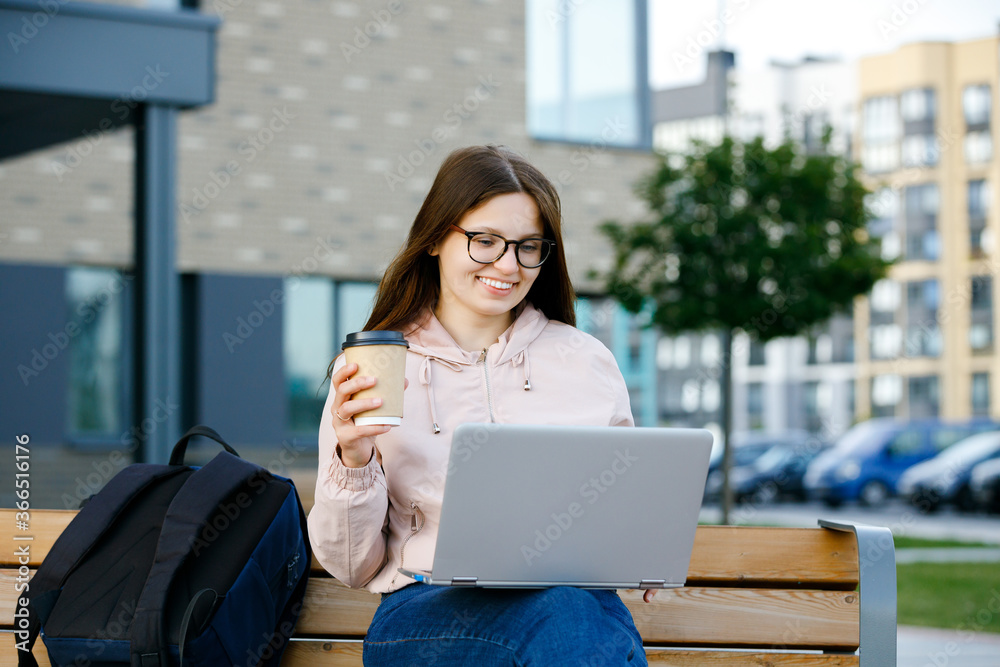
point(436, 625)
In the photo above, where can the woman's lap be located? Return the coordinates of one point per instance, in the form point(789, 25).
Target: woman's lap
point(430, 625)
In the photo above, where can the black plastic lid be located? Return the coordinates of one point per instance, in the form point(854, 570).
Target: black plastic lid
point(374, 338)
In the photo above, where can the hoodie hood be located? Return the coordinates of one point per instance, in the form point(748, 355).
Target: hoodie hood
point(433, 342)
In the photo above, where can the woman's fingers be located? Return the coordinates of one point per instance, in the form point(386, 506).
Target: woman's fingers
point(348, 409)
point(648, 595)
point(343, 373)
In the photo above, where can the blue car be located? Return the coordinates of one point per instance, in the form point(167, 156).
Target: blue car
point(866, 463)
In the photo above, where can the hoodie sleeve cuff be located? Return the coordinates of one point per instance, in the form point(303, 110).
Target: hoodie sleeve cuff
point(355, 479)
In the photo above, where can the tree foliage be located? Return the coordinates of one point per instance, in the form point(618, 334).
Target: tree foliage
point(742, 236)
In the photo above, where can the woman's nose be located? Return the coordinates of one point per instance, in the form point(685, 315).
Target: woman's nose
point(508, 261)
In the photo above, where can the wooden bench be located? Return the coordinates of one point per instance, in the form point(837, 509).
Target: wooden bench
point(754, 596)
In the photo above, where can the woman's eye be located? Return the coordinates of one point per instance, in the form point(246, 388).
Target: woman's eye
point(530, 246)
point(484, 241)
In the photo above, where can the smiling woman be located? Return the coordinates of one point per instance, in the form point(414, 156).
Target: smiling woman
point(479, 289)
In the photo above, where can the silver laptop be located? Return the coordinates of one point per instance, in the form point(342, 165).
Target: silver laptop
point(595, 507)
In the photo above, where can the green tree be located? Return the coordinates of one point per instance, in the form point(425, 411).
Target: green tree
point(743, 237)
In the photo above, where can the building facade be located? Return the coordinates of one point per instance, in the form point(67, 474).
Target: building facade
point(927, 136)
point(296, 188)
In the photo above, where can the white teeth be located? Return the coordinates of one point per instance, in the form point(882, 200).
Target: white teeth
point(496, 283)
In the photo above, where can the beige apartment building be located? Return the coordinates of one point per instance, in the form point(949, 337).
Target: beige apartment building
point(926, 334)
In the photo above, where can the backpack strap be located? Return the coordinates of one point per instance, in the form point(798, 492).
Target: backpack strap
point(192, 507)
point(177, 454)
point(90, 523)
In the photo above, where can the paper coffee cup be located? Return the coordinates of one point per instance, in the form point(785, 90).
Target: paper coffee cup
point(381, 354)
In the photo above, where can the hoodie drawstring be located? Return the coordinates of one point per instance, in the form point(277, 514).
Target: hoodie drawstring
point(522, 358)
point(425, 379)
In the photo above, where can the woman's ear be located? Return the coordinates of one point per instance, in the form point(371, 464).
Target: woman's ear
point(434, 250)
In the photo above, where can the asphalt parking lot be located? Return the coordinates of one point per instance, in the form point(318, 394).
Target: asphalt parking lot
point(898, 516)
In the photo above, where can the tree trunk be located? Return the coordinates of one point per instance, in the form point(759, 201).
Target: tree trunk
point(727, 411)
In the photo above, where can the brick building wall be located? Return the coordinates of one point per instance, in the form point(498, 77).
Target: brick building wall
point(330, 121)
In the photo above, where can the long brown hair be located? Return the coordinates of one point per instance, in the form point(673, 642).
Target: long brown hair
point(468, 178)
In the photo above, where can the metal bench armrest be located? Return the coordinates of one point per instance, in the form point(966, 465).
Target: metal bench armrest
point(877, 590)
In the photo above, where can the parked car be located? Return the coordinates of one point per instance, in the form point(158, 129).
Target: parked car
point(866, 462)
point(747, 448)
point(945, 478)
point(778, 473)
point(984, 486)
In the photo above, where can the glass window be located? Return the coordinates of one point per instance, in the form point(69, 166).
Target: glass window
point(94, 302)
point(354, 307)
point(881, 120)
point(917, 104)
point(577, 92)
point(920, 150)
point(923, 333)
point(978, 147)
point(921, 210)
point(887, 389)
point(885, 295)
point(755, 404)
point(690, 396)
point(309, 345)
point(664, 353)
point(981, 326)
point(976, 105)
point(711, 350)
point(978, 199)
point(923, 397)
point(906, 443)
point(980, 394)
point(757, 357)
point(682, 351)
point(978, 203)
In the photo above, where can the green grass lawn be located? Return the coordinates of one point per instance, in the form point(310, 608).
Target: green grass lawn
point(903, 542)
point(960, 596)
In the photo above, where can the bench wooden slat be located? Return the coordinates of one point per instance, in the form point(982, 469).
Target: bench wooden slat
point(747, 617)
point(771, 556)
point(43, 525)
point(9, 653)
point(348, 654)
point(774, 557)
point(689, 616)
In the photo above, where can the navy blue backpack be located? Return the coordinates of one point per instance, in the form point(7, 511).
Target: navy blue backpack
point(176, 565)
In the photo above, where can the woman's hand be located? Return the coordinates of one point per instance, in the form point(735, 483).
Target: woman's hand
point(355, 443)
point(648, 595)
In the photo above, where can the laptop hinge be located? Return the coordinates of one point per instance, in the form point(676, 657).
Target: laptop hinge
point(464, 581)
point(652, 583)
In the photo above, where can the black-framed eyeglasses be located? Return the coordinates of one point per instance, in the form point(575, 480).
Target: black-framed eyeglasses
point(486, 248)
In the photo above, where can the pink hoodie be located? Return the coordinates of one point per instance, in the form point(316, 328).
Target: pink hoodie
point(369, 521)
